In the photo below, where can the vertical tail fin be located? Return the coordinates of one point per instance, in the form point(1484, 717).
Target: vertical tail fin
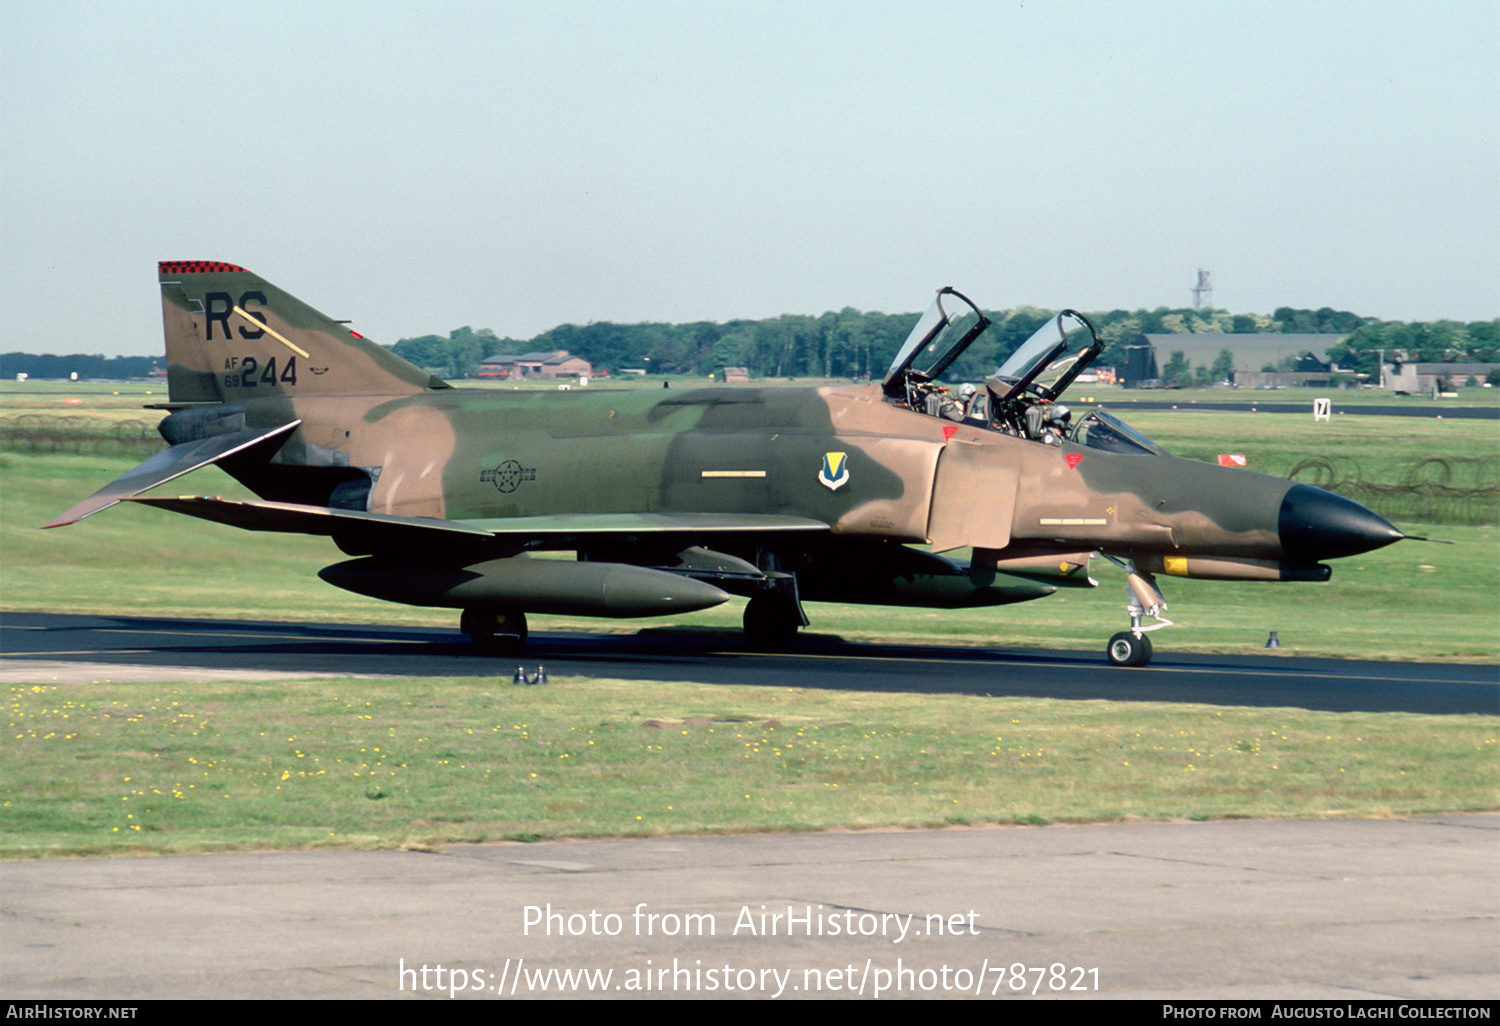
point(231, 336)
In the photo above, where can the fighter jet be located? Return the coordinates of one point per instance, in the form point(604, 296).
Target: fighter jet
point(903, 492)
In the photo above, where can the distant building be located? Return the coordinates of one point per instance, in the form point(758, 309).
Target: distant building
point(1427, 378)
point(1149, 355)
point(557, 364)
point(736, 375)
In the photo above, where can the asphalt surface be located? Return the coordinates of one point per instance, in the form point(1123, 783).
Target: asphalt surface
point(1337, 910)
point(146, 648)
point(1341, 910)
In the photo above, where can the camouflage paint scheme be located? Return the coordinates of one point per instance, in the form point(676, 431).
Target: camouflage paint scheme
point(675, 499)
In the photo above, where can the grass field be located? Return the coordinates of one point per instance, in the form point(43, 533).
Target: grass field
point(112, 767)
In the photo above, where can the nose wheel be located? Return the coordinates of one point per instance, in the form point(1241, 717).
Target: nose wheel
point(1127, 649)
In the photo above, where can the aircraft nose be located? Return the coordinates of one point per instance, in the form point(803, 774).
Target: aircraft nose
point(1315, 524)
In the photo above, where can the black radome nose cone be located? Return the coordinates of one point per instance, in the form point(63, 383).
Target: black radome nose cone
point(1315, 525)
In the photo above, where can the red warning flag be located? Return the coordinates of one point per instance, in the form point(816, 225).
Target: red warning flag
point(1227, 460)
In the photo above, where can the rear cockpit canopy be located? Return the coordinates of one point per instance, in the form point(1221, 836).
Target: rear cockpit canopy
point(1046, 363)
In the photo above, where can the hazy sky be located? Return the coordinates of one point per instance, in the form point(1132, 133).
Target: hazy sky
point(417, 167)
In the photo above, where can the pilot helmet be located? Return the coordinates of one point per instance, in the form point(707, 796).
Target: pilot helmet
point(966, 391)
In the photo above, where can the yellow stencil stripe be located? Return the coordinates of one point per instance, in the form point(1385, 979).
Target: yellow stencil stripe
point(261, 325)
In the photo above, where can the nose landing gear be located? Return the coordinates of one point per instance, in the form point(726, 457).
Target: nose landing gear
point(1143, 598)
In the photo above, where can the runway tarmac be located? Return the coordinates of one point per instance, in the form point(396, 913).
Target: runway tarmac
point(178, 649)
point(1337, 910)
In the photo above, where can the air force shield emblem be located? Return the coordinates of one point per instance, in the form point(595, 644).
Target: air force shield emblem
point(835, 472)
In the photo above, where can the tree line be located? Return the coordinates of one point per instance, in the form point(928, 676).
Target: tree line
point(852, 344)
point(857, 345)
point(46, 367)
point(1421, 342)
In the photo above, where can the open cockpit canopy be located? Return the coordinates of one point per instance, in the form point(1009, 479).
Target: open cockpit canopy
point(1043, 366)
point(1047, 362)
point(941, 335)
point(1020, 398)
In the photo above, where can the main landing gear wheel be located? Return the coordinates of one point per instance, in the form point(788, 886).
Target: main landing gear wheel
point(771, 621)
point(497, 632)
point(1129, 649)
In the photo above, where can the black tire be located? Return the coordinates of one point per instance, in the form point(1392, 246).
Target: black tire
point(1146, 651)
point(1128, 649)
point(495, 632)
point(771, 621)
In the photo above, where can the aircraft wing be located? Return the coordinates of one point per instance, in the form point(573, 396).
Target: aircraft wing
point(383, 532)
point(168, 464)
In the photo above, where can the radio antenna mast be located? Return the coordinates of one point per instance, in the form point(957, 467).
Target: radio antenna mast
point(1203, 292)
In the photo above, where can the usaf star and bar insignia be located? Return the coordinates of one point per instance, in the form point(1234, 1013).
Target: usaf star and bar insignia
point(508, 476)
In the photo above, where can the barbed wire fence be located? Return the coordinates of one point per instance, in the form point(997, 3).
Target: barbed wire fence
point(1429, 490)
point(79, 436)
